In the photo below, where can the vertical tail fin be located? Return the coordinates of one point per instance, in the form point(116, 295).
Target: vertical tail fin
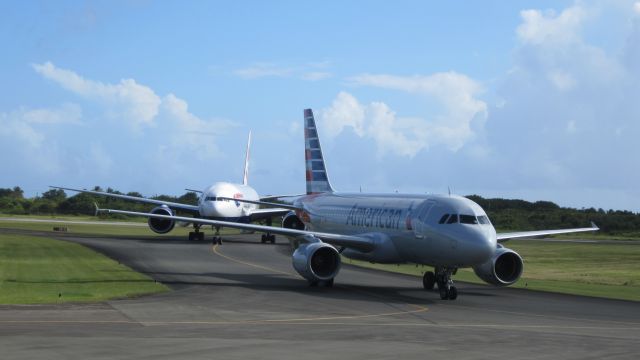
point(245, 177)
point(317, 179)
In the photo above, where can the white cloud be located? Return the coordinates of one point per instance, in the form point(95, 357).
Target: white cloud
point(345, 111)
point(308, 72)
point(193, 133)
point(452, 128)
point(568, 99)
point(137, 104)
point(66, 114)
point(636, 7)
point(26, 125)
point(260, 70)
point(140, 106)
point(538, 27)
point(404, 136)
point(561, 80)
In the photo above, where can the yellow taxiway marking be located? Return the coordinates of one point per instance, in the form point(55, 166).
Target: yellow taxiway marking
point(215, 250)
point(418, 307)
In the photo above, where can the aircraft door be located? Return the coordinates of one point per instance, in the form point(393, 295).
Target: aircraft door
point(420, 218)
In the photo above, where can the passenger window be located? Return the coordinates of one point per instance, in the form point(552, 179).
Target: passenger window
point(468, 219)
point(453, 219)
point(443, 219)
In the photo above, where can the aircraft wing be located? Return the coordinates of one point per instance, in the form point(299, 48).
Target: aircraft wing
point(263, 203)
point(350, 241)
point(173, 205)
point(527, 234)
point(259, 214)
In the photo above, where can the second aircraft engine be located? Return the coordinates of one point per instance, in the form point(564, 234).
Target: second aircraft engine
point(292, 221)
point(503, 269)
point(316, 261)
point(161, 226)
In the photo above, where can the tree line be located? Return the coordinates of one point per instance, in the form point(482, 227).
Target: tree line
point(56, 202)
point(505, 214)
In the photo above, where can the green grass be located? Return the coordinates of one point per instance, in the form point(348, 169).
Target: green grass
point(134, 229)
point(36, 270)
point(601, 270)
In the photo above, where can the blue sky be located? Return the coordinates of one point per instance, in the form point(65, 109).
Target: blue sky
point(529, 99)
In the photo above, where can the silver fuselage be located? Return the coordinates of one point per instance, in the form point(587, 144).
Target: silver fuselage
point(406, 228)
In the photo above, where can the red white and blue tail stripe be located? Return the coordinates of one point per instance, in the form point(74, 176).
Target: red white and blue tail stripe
point(317, 179)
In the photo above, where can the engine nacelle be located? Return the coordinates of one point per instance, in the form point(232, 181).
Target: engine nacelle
point(503, 269)
point(316, 261)
point(292, 221)
point(161, 226)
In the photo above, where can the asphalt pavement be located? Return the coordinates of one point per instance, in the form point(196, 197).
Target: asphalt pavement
point(243, 300)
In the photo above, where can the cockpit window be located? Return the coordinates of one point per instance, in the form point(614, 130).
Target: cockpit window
point(443, 219)
point(484, 220)
point(468, 219)
point(453, 219)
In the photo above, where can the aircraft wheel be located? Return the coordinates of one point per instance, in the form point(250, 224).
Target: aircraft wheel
point(263, 239)
point(444, 294)
point(272, 239)
point(428, 280)
point(191, 235)
point(453, 293)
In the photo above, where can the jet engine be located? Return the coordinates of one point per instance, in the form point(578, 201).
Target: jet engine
point(503, 269)
point(161, 226)
point(292, 221)
point(316, 261)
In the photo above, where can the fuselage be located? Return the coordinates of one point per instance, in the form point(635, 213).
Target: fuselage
point(212, 207)
point(438, 230)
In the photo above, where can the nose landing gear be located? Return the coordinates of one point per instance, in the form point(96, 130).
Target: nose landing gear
point(442, 277)
point(217, 239)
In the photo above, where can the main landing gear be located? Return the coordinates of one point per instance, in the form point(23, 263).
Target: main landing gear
point(442, 277)
point(268, 238)
point(196, 235)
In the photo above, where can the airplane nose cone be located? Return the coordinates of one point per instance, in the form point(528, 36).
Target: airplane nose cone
point(480, 247)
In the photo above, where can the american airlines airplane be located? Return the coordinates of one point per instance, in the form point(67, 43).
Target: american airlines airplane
point(216, 202)
point(446, 232)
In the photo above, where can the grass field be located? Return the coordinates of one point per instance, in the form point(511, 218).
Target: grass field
point(602, 270)
point(108, 228)
point(37, 270)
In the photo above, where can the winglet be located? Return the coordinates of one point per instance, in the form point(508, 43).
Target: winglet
point(97, 209)
point(593, 225)
point(245, 177)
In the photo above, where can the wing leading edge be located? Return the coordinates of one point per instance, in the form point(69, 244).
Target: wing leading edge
point(173, 205)
point(526, 234)
point(349, 241)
